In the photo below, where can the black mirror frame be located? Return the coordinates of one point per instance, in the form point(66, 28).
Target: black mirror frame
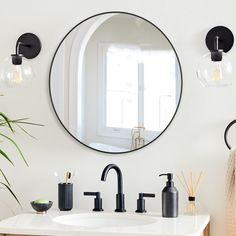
point(181, 87)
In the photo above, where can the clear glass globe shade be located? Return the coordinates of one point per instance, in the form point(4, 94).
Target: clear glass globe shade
point(15, 75)
point(215, 73)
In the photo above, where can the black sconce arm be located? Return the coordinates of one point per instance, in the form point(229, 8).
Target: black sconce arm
point(20, 44)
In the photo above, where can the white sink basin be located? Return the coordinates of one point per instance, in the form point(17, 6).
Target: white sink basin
point(104, 220)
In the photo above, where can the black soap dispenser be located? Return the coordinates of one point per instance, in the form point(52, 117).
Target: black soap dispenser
point(170, 198)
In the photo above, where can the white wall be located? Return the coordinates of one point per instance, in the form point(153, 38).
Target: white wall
point(193, 141)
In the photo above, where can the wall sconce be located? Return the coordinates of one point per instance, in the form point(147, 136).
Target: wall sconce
point(215, 68)
point(15, 70)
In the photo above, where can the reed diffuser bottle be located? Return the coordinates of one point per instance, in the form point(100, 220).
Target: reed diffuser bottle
point(191, 186)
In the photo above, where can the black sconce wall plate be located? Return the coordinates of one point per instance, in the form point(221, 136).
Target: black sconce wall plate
point(226, 38)
point(30, 45)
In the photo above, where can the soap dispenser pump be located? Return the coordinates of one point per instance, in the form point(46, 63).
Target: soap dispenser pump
point(170, 198)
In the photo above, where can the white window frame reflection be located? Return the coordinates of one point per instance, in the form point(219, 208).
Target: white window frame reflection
point(119, 132)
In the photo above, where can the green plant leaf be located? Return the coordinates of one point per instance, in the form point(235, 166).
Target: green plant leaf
point(16, 123)
point(8, 122)
point(6, 156)
point(9, 189)
point(29, 123)
point(25, 131)
point(4, 176)
point(19, 123)
point(14, 143)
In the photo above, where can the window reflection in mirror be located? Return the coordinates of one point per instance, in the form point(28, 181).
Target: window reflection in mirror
point(115, 82)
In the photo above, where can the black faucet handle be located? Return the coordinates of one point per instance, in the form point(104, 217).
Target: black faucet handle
point(97, 194)
point(142, 195)
point(141, 202)
point(97, 200)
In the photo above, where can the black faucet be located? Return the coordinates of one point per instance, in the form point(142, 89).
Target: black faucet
point(120, 197)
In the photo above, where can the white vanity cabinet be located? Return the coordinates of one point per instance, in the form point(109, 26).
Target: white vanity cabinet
point(37, 224)
point(206, 232)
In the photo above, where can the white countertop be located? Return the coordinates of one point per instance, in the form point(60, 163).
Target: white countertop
point(38, 224)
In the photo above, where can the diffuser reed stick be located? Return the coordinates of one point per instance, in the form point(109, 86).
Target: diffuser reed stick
point(198, 181)
point(191, 186)
point(185, 182)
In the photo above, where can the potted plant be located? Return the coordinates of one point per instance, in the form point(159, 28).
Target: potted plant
point(12, 125)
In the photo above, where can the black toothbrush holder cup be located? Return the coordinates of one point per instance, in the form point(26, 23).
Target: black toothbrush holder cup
point(65, 196)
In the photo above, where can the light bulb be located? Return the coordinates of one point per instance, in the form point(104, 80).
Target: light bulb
point(15, 75)
point(217, 72)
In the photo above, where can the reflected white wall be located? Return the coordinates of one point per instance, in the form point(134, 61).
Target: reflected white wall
point(123, 30)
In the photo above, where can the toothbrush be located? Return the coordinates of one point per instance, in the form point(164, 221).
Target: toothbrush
point(68, 176)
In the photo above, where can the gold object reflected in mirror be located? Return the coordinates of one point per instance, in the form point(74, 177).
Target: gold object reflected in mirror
point(112, 75)
point(138, 137)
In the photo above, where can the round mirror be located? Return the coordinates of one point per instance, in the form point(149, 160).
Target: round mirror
point(115, 82)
